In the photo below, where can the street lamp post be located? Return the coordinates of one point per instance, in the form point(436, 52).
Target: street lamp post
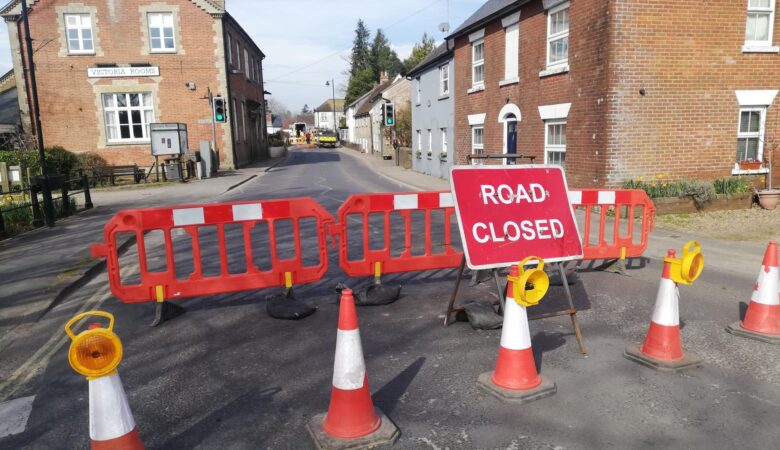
point(333, 85)
point(48, 203)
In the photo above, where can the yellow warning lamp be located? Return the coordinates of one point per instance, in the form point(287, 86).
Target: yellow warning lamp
point(94, 352)
point(687, 268)
point(529, 286)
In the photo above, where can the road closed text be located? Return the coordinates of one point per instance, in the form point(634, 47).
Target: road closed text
point(513, 231)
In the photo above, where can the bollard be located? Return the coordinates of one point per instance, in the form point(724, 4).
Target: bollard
point(87, 196)
point(36, 207)
point(65, 199)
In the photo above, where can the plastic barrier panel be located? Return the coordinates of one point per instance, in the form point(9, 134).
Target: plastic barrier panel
point(362, 208)
point(619, 212)
point(209, 263)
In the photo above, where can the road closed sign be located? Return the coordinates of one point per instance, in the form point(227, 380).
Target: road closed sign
point(507, 213)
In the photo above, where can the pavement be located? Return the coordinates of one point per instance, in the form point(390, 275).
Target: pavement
point(227, 375)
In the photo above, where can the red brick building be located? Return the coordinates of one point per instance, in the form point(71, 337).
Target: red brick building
point(618, 90)
point(106, 69)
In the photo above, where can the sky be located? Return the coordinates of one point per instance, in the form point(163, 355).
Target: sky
point(306, 42)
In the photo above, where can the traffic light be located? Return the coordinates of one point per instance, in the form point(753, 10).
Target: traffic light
point(220, 114)
point(389, 114)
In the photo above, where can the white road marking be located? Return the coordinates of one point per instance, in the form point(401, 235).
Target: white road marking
point(14, 415)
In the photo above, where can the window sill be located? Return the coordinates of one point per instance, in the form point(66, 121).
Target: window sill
point(81, 53)
point(760, 49)
point(444, 97)
point(554, 70)
point(476, 88)
point(737, 171)
point(162, 52)
point(508, 82)
point(126, 143)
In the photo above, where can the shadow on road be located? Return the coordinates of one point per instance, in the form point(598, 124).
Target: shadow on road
point(387, 397)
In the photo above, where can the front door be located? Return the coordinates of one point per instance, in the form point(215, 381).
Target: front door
point(511, 140)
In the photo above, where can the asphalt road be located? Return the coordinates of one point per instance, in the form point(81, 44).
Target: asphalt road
point(226, 375)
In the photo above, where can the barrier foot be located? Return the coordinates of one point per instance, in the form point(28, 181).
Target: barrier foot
point(617, 266)
point(737, 330)
point(166, 311)
point(689, 360)
point(385, 435)
point(546, 389)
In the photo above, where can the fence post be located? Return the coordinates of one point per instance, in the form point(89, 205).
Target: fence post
point(2, 225)
point(65, 200)
point(85, 185)
point(36, 207)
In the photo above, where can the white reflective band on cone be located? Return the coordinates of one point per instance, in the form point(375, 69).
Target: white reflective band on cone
point(515, 334)
point(667, 311)
point(767, 293)
point(349, 369)
point(109, 413)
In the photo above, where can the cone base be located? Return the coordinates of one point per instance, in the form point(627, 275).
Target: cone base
point(385, 435)
point(546, 389)
point(737, 330)
point(688, 361)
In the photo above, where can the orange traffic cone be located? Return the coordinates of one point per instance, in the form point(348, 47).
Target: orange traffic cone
point(515, 378)
point(762, 319)
point(662, 349)
point(111, 423)
point(351, 420)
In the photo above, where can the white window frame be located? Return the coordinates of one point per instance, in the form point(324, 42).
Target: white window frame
point(477, 148)
point(760, 134)
point(248, 70)
point(765, 44)
point(430, 141)
point(238, 55)
point(234, 106)
point(444, 140)
point(511, 54)
point(548, 147)
point(477, 63)
point(79, 29)
point(230, 49)
point(162, 37)
point(243, 120)
point(557, 36)
point(419, 140)
point(146, 115)
point(444, 80)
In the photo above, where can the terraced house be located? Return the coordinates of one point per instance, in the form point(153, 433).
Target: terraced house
point(106, 69)
point(621, 89)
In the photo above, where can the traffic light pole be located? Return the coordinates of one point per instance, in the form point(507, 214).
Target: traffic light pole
point(48, 203)
point(213, 130)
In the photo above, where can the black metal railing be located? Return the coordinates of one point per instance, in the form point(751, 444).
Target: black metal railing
point(28, 213)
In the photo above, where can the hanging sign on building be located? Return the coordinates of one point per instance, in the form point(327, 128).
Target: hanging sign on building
point(507, 213)
point(109, 72)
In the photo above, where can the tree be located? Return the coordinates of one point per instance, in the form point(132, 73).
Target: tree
point(383, 57)
point(420, 51)
point(403, 124)
point(360, 58)
point(305, 109)
point(359, 84)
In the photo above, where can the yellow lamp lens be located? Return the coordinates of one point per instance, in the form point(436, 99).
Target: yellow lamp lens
point(95, 353)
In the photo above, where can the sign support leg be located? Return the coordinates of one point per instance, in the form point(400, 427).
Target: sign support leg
point(575, 324)
point(501, 292)
point(454, 295)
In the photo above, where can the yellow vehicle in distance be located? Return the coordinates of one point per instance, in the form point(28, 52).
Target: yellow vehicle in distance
point(328, 139)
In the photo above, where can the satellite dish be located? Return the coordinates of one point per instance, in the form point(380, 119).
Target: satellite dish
point(444, 27)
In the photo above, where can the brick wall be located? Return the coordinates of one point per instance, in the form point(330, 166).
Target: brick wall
point(688, 59)
point(71, 113)
point(584, 86)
